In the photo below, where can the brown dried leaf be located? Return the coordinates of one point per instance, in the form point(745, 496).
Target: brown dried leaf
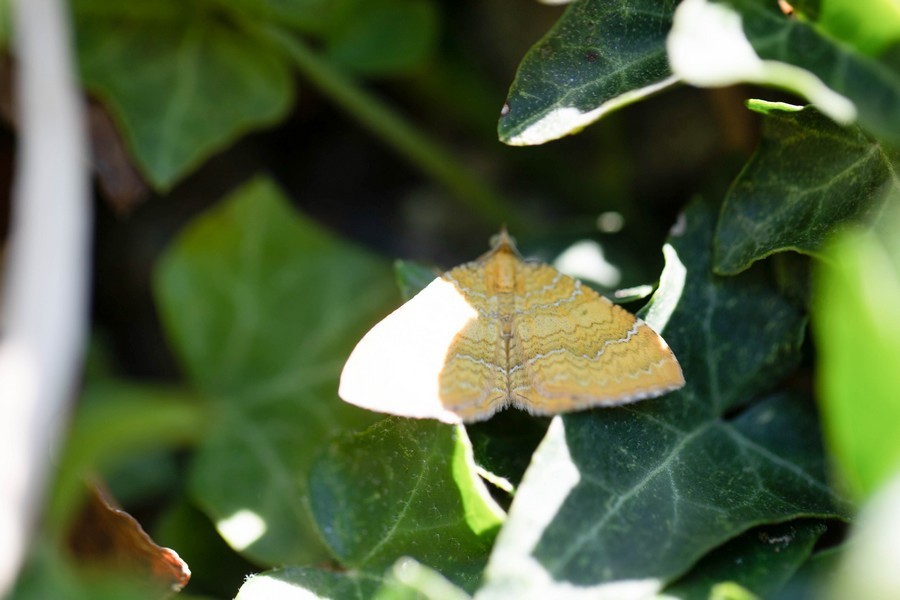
point(106, 536)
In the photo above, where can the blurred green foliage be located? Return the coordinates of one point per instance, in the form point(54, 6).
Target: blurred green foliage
point(858, 333)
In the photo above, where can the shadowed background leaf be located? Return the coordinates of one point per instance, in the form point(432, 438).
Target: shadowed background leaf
point(183, 83)
point(262, 307)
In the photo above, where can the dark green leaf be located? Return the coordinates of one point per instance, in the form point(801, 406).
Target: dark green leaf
point(504, 444)
point(182, 77)
point(808, 177)
point(598, 57)
point(629, 498)
point(263, 307)
point(405, 488)
point(761, 560)
point(812, 577)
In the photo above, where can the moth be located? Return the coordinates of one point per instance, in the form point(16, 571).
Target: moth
point(502, 331)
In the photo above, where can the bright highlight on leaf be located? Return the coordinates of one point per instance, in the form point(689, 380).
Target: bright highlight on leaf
point(242, 528)
point(585, 259)
point(501, 332)
point(708, 47)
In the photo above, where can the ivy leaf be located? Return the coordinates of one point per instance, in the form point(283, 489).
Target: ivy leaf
point(813, 575)
point(761, 560)
point(808, 177)
point(625, 500)
point(598, 57)
point(263, 307)
point(723, 42)
point(183, 79)
point(405, 488)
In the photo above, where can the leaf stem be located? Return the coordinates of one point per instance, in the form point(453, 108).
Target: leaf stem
point(380, 118)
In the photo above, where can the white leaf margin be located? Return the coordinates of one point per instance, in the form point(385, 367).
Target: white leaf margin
point(707, 47)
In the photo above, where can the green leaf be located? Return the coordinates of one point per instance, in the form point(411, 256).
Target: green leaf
point(405, 488)
point(598, 57)
point(761, 560)
point(857, 330)
point(624, 500)
point(870, 26)
point(808, 177)
point(182, 77)
point(812, 577)
point(48, 573)
point(117, 420)
point(723, 42)
point(263, 307)
point(382, 37)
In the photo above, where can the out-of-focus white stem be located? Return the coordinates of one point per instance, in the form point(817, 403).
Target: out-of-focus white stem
point(43, 308)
